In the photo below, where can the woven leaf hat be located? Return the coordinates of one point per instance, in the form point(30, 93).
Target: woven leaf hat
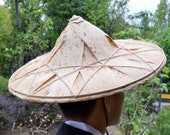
point(86, 64)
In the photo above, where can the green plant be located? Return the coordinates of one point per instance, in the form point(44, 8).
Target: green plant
point(162, 124)
point(139, 113)
point(3, 86)
point(131, 32)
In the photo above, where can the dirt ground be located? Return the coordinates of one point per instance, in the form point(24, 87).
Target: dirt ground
point(52, 131)
point(27, 131)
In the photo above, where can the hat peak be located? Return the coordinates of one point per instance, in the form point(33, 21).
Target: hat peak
point(76, 18)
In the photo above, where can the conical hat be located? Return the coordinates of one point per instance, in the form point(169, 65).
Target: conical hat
point(86, 64)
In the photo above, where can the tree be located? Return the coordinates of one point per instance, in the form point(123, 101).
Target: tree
point(28, 38)
point(161, 17)
point(144, 23)
point(62, 10)
point(5, 23)
point(164, 42)
point(108, 15)
point(5, 31)
point(118, 11)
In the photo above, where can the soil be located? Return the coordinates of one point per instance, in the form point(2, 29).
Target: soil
point(52, 131)
point(27, 131)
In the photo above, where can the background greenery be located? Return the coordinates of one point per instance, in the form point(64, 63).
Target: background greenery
point(29, 28)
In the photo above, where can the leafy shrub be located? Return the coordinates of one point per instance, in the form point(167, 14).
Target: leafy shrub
point(132, 33)
point(139, 113)
point(162, 125)
point(3, 86)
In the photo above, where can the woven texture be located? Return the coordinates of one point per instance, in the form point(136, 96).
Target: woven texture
point(86, 64)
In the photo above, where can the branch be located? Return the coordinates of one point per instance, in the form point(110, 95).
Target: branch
point(13, 126)
point(147, 126)
point(17, 15)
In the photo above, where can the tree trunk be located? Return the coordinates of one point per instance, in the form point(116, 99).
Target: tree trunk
point(19, 24)
point(17, 15)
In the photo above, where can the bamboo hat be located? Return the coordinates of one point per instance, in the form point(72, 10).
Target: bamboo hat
point(86, 64)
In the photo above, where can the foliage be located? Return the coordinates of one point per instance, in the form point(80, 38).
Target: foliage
point(118, 12)
point(3, 86)
point(138, 112)
point(164, 42)
point(99, 14)
point(132, 33)
point(161, 17)
point(5, 23)
point(5, 31)
point(144, 23)
point(28, 38)
point(162, 124)
point(62, 10)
